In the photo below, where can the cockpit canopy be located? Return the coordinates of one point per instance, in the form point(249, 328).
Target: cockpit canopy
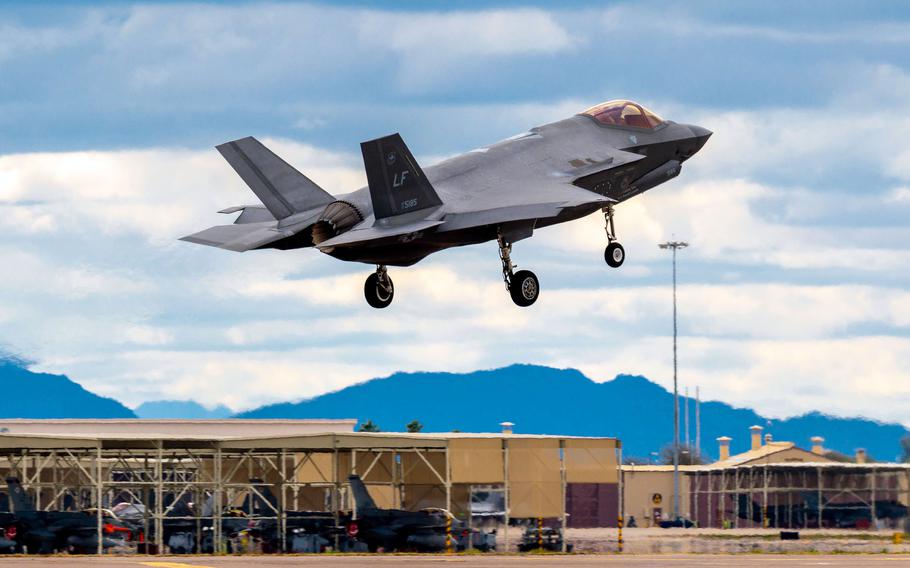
point(623, 113)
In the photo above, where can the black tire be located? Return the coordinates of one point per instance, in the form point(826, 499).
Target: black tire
point(615, 255)
point(524, 288)
point(375, 294)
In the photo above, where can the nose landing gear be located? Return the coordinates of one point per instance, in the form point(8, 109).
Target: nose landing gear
point(523, 286)
point(378, 289)
point(614, 254)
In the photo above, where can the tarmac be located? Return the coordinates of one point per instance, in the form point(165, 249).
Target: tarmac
point(470, 561)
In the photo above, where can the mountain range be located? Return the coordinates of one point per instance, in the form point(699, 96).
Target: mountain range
point(27, 394)
point(543, 400)
point(539, 400)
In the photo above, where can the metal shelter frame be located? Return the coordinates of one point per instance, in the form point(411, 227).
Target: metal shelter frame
point(161, 472)
point(792, 495)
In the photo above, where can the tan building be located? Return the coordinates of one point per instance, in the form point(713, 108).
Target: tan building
point(648, 493)
point(772, 484)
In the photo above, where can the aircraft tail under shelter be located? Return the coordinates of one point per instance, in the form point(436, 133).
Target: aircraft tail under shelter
point(20, 500)
point(281, 188)
point(397, 184)
point(361, 496)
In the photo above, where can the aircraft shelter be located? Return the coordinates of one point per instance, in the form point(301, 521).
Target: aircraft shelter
point(536, 476)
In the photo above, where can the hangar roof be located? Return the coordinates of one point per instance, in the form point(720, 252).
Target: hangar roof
point(315, 441)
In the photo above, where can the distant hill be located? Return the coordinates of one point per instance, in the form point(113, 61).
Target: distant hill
point(186, 409)
point(543, 400)
point(41, 395)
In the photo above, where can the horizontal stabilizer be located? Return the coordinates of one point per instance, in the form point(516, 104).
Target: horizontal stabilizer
point(397, 184)
point(239, 237)
point(280, 187)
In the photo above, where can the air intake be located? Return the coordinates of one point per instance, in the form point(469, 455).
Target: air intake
point(338, 217)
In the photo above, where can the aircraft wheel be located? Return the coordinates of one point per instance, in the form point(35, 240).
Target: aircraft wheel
point(524, 288)
point(615, 254)
point(378, 295)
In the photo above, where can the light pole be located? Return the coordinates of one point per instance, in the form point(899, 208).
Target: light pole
point(674, 246)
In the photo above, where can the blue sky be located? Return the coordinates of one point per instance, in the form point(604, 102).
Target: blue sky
point(793, 296)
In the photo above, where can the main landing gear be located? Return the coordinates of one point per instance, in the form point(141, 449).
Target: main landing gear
point(523, 285)
point(378, 289)
point(614, 254)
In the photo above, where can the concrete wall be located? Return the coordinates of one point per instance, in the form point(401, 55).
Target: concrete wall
point(639, 491)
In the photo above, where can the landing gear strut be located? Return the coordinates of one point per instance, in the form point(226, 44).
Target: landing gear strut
point(614, 254)
point(378, 289)
point(523, 285)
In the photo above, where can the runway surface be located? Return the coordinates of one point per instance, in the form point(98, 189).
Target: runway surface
point(491, 561)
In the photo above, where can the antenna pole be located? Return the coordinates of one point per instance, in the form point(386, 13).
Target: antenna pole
point(697, 424)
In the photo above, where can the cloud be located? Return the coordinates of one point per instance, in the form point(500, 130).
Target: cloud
point(153, 74)
point(848, 377)
point(696, 22)
point(467, 34)
point(269, 325)
point(460, 41)
point(899, 195)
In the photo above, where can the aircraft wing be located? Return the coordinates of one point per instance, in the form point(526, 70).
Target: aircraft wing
point(559, 197)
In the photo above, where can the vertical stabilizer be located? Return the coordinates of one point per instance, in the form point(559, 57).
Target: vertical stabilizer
point(361, 496)
point(397, 184)
point(20, 500)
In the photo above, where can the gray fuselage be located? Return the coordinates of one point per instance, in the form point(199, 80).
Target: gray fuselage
point(579, 150)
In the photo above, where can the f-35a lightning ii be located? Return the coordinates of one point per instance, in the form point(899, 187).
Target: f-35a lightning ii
point(551, 174)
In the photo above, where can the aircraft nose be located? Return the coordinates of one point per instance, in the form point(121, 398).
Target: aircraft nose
point(700, 134)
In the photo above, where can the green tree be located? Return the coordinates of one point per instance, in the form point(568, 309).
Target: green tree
point(368, 426)
point(414, 426)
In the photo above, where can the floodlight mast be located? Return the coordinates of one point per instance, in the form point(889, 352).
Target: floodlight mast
point(674, 246)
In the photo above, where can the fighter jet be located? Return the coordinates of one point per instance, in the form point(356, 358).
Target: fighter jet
point(49, 531)
point(551, 174)
point(421, 531)
point(804, 512)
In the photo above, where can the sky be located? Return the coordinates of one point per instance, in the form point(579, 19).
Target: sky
point(793, 295)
